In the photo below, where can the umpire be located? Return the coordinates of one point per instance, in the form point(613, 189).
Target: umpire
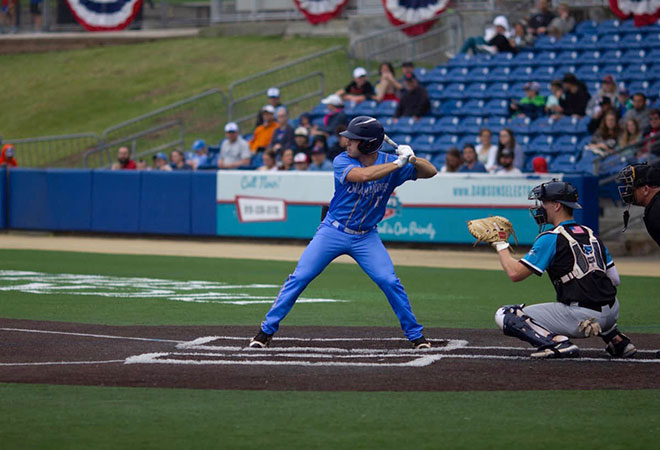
point(640, 185)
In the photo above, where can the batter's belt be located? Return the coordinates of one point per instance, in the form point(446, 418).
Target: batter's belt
point(594, 306)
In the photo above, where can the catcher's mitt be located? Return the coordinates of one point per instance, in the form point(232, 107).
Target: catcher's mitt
point(491, 229)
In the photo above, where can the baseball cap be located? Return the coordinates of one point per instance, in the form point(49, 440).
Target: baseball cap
point(160, 155)
point(506, 153)
point(199, 144)
point(300, 158)
point(317, 150)
point(273, 92)
point(608, 79)
point(410, 76)
point(301, 131)
point(501, 21)
point(359, 72)
point(231, 127)
point(624, 90)
point(333, 99)
point(540, 165)
point(9, 151)
point(532, 86)
point(268, 109)
point(570, 78)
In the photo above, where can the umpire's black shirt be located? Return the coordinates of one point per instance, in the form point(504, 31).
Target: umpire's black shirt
point(652, 217)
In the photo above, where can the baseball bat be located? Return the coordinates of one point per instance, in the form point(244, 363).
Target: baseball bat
point(395, 145)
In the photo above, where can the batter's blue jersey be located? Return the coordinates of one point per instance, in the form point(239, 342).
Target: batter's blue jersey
point(360, 206)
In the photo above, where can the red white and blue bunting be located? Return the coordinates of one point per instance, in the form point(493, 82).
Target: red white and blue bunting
point(319, 11)
point(104, 15)
point(401, 12)
point(644, 12)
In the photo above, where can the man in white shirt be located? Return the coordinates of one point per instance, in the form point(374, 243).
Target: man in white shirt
point(234, 151)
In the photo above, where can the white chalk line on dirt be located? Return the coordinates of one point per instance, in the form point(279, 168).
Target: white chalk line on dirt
point(61, 363)
point(102, 336)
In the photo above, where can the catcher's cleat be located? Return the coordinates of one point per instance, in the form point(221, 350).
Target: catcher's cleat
point(622, 349)
point(421, 343)
point(261, 340)
point(565, 349)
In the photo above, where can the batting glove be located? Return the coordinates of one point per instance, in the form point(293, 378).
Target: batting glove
point(405, 150)
point(402, 160)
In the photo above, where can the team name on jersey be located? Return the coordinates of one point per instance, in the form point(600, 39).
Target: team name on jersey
point(366, 188)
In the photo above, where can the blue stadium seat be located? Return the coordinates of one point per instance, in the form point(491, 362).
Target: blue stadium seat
point(522, 73)
point(587, 27)
point(524, 58)
point(652, 40)
point(588, 72)
point(319, 110)
point(424, 143)
point(460, 60)
point(612, 56)
point(542, 125)
point(652, 56)
point(477, 90)
point(387, 122)
point(591, 57)
point(446, 125)
point(435, 90)
point(582, 144)
point(496, 123)
point(472, 108)
point(544, 74)
point(496, 107)
point(454, 91)
point(502, 59)
point(563, 164)
point(386, 108)
point(634, 56)
point(640, 86)
point(628, 26)
point(366, 108)
point(422, 75)
point(616, 70)
point(587, 42)
point(478, 75)
point(541, 144)
point(593, 86)
point(498, 90)
point(470, 125)
point(633, 41)
point(609, 42)
point(547, 58)
point(586, 162)
point(467, 139)
point(436, 108)
point(446, 141)
point(546, 43)
point(568, 42)
point(639, 72)
point(562, 70)
point(500, 74)
point(257, 160)
point(425, 125)
point(438, 160)
point(482, 60)
point(457, 75)
point(437, 75)
point(654, 73)
point(517, 90)
point(654, 91)
point(612, 26)
point(405, 125)
point(569, 57)
point(565, 145)
point(451, 108)
point(349, 108)
point(401, 138)
point(318, 121)
point(565, 125)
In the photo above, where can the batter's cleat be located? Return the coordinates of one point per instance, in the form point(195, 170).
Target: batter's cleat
point(421, 343)
point(565, 349)
point(622, 349)
point(261, 340)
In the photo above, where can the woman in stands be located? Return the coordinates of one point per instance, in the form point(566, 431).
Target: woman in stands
point(508, 141)
point(388, 86)
point(607, 136)
point(287, 160)
point(631, 133)
point(486, 150)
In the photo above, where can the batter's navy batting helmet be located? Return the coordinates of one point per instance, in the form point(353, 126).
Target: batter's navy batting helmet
point(368, 131)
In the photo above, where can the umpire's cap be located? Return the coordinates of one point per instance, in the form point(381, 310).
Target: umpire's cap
point(556, 191)
point(367, 130)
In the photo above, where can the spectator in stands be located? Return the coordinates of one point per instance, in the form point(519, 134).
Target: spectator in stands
point(552, 107)
point(470, 161)
point(639, 111)
point(508, 141)
point(631, 133)
point(607, 136)
point(283, 134)
point(486, 150)
point(319, 160)
point(453, 161)
point(652, 135)
point(269, 162)
point(301, 162)
point(541, 19)
point(576, 96)
point(358, 90)
point(505, 163)
point(124, 161)
point(273, 95)
point(8, 10)
point(178, 161)
point(406, 68)
point(286, 163)
point(305, 122)
point(335, 116)
point(521, 38)
point(301, 141)
point(532, 105)
point(539, 165)
point(319, 142)
point(608, 90)
point(141, 164)
point(160, 162)
point(263, 134)
point(563, 23)
point(625, 102)
point(388, 86)
point(8, 156)
point(234, 150)
point(495, 39)
point(415, 101)
point(605, 106)
point(340, 145)
point(198, 155)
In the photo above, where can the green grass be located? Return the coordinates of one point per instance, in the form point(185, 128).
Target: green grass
point(440, 297)
point(90, 90)
point(109, 418)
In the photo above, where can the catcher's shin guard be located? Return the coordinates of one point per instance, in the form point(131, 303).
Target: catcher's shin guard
point(516, 323)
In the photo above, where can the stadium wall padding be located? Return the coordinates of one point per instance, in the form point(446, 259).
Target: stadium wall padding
point(3, 196)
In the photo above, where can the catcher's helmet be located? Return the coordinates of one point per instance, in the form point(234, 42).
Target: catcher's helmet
point(368, 131)
point(634, 176)
point(554, 191)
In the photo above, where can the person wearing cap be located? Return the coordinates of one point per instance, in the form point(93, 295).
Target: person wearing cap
point(505, 163)
point(198, 155)
point(124, 161)
point(160, 162)
point(625, 102)
point(541, 19)
point(263, 134)
point(495, 39)
point(301, 141)
point(358, 90)
point(234, 150)
point(639, 111)
point(283, 134)
point(8, 156)
point(608, 90)
point(301, 162)
point(539, 164)
point(576, 96)
point(273, 95)
point(334, 117)
point(415, 100)
point(639, 185)
point(319, 155)
point(532, 105)
point(581, 271)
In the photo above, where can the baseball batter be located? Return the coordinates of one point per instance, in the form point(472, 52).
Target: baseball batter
point(581, 270)
point(364, 180)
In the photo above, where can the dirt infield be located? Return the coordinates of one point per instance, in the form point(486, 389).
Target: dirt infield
point(305, 358)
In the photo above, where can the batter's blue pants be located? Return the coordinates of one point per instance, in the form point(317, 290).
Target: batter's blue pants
point(369, 252)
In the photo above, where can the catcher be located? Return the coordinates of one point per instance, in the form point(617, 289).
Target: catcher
point(580, 268)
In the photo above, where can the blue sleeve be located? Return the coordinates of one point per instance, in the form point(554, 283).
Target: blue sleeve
point(342, 165)
point(400, 176)
point(609, 262)
point(541, 254)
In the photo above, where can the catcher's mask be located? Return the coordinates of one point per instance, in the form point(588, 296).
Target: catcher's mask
point(632, 177)
point(368, 131)
point(554, 191)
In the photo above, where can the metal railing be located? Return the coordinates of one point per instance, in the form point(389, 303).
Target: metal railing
point(604, 164)
point(54, 151)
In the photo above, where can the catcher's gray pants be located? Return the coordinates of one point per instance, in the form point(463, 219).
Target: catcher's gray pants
point(564, 319)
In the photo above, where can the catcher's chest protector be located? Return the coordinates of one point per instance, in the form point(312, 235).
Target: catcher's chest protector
point(587, 258)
